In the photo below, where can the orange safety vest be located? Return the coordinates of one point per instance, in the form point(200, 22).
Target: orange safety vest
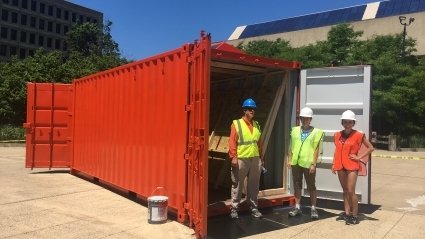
point(343, 149)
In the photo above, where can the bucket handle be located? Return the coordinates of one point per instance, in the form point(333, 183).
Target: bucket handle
point(157, 189)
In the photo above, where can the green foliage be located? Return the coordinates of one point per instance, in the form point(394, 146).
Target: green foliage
point(8, 132)
point(342, 40)
point(90, 49)
point(398, 102)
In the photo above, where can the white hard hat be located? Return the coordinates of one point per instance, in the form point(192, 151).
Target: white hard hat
point(306, 112)
point(348, 115)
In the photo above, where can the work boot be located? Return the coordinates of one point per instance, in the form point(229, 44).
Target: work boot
point(255, 213)
point(314, 214)
point(352, 220)
point(234, 213)
point(295, 212)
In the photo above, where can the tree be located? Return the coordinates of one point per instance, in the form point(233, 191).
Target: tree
point(342, 40)
point(90, 39)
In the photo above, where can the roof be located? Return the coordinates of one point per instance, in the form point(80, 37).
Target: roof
point(332, 17)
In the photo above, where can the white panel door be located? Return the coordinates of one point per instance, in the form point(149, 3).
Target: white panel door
point(329, 92)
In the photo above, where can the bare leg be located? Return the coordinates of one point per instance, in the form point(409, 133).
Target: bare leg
point(351, 191)
point(342, 176)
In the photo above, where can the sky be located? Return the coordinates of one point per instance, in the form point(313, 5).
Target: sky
point(144, 28)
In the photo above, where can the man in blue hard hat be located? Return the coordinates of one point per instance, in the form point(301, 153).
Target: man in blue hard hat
point(244, 152)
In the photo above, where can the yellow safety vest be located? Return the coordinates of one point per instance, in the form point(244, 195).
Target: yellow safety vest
point(247, 141)
point(303, 152)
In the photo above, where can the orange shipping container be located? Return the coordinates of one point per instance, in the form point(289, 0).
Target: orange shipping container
point(164, 122)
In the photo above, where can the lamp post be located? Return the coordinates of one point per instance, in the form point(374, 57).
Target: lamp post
point(405, 24)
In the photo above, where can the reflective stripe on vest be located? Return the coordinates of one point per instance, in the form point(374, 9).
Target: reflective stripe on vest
point(343, 150)
point(247, 141)
point(302, 153)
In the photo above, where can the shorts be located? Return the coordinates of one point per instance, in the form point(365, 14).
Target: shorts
point(297, 177)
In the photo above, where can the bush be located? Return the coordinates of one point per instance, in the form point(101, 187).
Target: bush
point(9, 132)
point(414, 141)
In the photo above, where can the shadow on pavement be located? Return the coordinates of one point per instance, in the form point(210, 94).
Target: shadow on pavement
point(53, 171)
point(276, 218)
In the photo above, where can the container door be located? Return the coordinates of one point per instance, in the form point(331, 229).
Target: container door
point(47, 126)
point(329, 92)
point(197, 152)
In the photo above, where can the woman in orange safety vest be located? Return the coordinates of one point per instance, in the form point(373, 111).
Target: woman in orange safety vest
point(346, 164)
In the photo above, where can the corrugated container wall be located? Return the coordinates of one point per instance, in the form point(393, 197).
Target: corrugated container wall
point(130, 126)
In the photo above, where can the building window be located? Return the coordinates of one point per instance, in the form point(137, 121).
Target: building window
point(41, 24)
point(88, 19)
point(42, 8)
point(65, 46)
point(3, 50)
point(23, 20)
point(58, 44)
point(33, 21)
point(13, 51)
point(6, 1)
point(4, 15)
point(41, 40)
point(23, 36)
point(15, 3)
point(32, 38)
point(13, 34)
point(65, 30)
point(3, 33)
point(66, 15)
point(81, 18)
point(15, 17)
point(50, 10)
point(49, 42)
point(74, 17)
point(49, 26)
point(30, 52)
point(33, 5)
point(22, 53)
point(58, 28)
point(58, 13)
point(24, 4)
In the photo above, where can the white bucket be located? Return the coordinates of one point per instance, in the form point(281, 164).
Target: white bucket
point(157, 209)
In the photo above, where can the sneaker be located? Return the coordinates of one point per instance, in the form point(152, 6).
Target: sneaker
point(314, 214)
point(255, 213)
point(342, 217)
point(295, 212)
point(352, 220)
point(234, 213)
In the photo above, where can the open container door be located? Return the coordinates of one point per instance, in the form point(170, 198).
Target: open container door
point(197, 152)
point(47, 125)
point(329, 92)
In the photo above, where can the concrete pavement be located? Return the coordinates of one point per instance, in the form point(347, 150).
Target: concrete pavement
point(43, 204)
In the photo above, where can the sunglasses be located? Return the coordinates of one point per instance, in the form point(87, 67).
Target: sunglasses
point(348, 122)
point(249, 109)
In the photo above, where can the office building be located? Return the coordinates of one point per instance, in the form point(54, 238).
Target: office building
point(26, 25)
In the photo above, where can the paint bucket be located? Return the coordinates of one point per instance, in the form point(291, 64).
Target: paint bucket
point(157, 209)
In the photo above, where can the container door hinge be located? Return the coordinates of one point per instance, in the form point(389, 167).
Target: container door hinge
point(186, 205)
point(189, 59)
point(186, 156)
point(188, 108)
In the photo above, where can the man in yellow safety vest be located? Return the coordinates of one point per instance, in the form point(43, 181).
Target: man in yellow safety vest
point(302, 160)
point(244, 152)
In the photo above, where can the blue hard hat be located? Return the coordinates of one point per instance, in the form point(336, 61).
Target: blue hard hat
point(249, 103)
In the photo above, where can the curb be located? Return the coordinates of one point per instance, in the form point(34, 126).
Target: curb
point(398, 157)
